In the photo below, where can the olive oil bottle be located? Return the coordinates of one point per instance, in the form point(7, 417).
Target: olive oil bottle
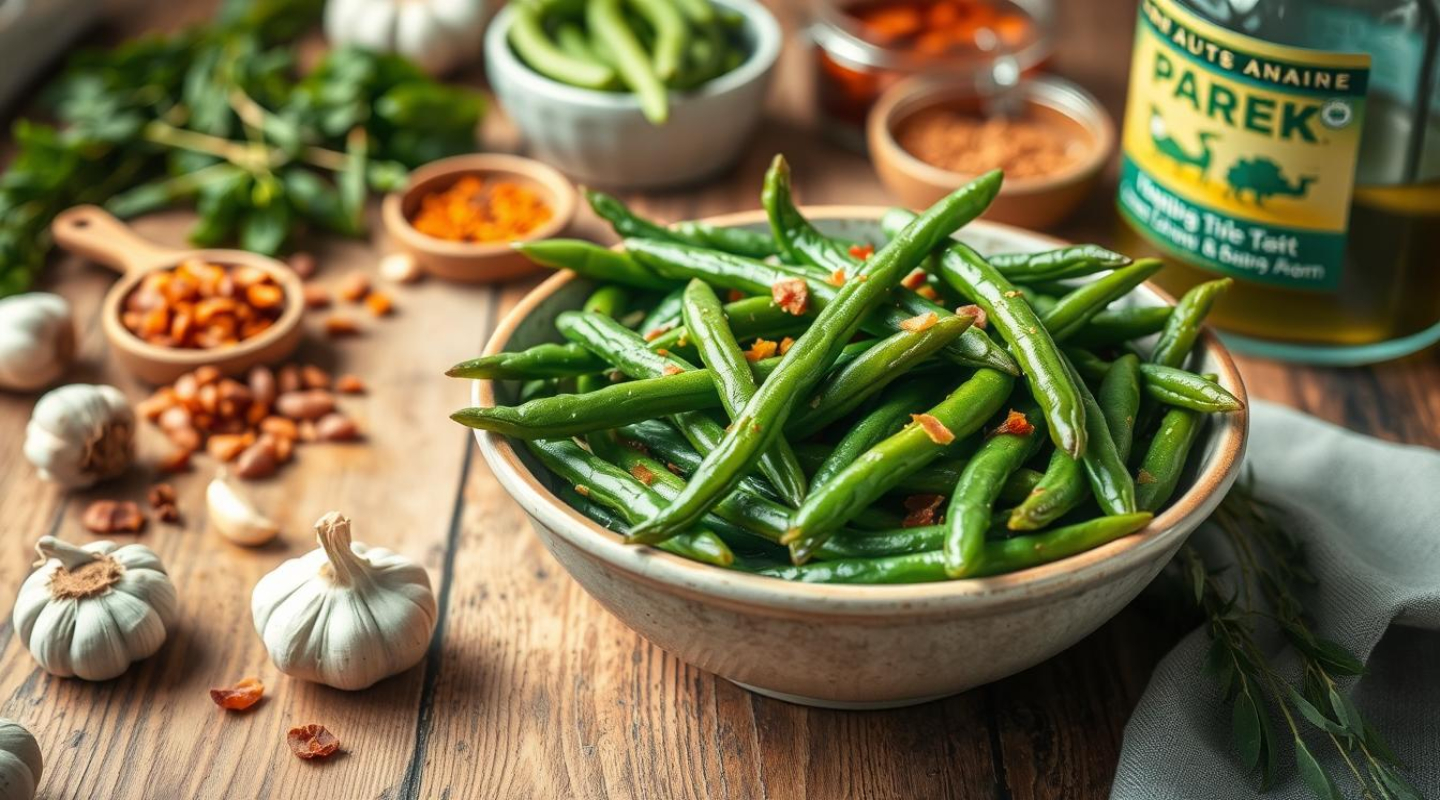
point(1293, 145)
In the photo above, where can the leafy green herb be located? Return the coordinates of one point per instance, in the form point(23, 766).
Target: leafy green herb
point(1263, 591)
point(218, 117)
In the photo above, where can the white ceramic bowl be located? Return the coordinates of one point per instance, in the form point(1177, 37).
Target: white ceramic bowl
point(850, 646)
point(601, 138)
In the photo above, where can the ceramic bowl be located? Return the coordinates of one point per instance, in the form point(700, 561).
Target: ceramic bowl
point(601, 138)
point(1037, 202)
point(849, 646)
point(476, 262)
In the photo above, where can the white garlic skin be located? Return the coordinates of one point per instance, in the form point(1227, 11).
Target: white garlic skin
point(345, 615)
point(20, 762)
point(97, 637)
point(37, 340)
point(235, 516)
point(79, 434)
point(438, 35)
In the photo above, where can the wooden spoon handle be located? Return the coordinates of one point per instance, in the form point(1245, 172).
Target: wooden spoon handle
point(94, 233)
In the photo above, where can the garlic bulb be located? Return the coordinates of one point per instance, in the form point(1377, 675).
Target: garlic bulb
point(438, 35)
point(79, 434)
point(92, 611)
point(234, 516)
point(346, 615)
point(37, 340)
point(20, 762)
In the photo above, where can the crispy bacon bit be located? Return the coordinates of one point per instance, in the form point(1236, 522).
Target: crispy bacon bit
point(312, 741)
point(981, 320)
point(239, 697)
point(914, 280)
point(934, 428)
point(786, 344)
point(1145, 477)
point(920, 322)
point(113, 516)
point(1015, 424)
point(582, 490)
point(922, 509)
point(671, 369)
point(762, 348)
point(837, 278)
point(652, 335)
point(792, 295)
point(642, 474)
point(734, 296)
point(862, 251)
point(928, 292)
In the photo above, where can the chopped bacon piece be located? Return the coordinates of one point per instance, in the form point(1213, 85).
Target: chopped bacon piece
point(652, 335)
point(312, 741)
point(239, 697)
point(582, 490)
point(923, 509)
point(981, 320)
point(642, 474)
point(914, 280)
point(786, 344)
point(934, 428)
point(928, 292)
point(1015, 424)
point(920, 322)
point(792, 295)
point(671, 369)
point(862, 251)
point(837, 278)
point(762, 348)
point(734, 296)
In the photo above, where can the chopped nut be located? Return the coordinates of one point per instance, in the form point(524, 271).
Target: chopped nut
point(310, 404)
point(336, 428)
point(920, 322)
point(280, 426)
point(303, 263)
point(350, 384)
point(354, 287)
point(337, 325)
point(379, 304)
point(288, 379)
point(934, 428)
point(262, 386)
point(258, 461)
point(316, 296)
point(161, 494)
point(312, 741)
point(792, 295)
point(176, 461)
point(226, 447)
point(312, 377)
point(113, 516)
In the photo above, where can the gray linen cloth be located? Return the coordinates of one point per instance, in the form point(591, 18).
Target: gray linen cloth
point(1368, 513)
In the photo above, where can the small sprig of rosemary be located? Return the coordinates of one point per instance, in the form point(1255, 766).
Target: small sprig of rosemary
point(1259, 596)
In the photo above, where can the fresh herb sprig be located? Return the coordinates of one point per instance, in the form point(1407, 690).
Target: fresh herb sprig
point(1261, 593)
point(218, 116)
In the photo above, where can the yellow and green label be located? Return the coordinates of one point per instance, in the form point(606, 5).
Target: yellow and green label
point(1239, 155)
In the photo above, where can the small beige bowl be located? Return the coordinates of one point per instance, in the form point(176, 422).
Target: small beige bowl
point(853, 646)
point(468, 262)
point(1038, 202)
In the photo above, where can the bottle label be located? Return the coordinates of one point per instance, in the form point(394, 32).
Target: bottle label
point(1237, 154)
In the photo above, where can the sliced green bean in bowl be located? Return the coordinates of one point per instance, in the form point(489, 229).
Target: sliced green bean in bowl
point(928, 440)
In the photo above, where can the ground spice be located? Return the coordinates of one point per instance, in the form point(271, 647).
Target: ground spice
point(969, 145)
point(474, 210)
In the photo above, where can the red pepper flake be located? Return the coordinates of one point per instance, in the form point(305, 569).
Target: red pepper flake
point(934, 428)
point(837, 278)
point(928, 292)
point(792, 295)
point(923, 509)
point(762, 348)
point(642, 474)
point(671, 369)
point(1145, 477)
point(981, 320)
point(862, 251)
point(239, 697)
point(786, 344)
point(656, 333)
point(1015, 424)
point(920, 322)
point(914, 280)
point(735, 296)
point(312, 741)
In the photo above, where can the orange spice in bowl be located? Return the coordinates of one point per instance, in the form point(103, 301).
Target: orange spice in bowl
point(474, 209)
point(201, 305)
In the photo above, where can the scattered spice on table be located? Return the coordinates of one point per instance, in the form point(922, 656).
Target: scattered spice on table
point(239, 697)
point(971, 145)
point(476, 210)
point(312, 741)
point(113, 516)
point(163, 502)
point(199, 305)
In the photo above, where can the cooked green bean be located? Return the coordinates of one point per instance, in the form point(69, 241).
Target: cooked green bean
point(1119, 325)
point(739, 241)
point(1183, 327)
point(600, 409)
point(1072, 311)
point(1176, 387)
point(606, 20)
point(1062, 488)
point(527, 35)
point(1165, 459)
point(1119, 399)
point(973, 500)
point(882, 422)
point(672, 35)
point(592, 261)
point(1073, 261)
point(1110, 480)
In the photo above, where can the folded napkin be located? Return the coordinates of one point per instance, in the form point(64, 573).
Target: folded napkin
point(1368, 513)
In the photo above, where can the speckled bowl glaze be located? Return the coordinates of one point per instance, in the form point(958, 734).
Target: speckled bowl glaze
point(844, 646)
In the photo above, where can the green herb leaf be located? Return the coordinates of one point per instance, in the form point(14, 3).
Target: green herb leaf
point(1316, 779)
point(1311, 713)
point(1337, 658)
point(1346, 713)
point(265, 228)
point(1245, 720)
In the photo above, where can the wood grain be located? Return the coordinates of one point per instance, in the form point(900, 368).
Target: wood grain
point(530, 690)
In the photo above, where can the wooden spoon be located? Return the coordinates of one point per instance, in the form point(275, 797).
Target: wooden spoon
point(91, 232)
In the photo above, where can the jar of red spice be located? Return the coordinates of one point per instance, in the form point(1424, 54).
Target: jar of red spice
point(864, 46)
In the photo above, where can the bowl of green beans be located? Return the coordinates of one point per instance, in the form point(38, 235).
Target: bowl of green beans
point(634, 93)
point(857, 497)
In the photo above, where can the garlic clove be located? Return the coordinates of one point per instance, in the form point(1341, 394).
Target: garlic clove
point(234, 516)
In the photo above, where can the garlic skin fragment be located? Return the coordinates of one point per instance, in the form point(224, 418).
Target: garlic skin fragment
point(345, 615)
point(234, 516)
point(80, 434)
point(37, 340)
point(20, 762)
point(91, 611)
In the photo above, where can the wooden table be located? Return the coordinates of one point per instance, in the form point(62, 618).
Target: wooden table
point(530, 689)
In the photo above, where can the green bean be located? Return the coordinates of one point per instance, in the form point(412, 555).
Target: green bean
point(1110, 480)
point(592, 261)
point(601, 515)
point(571, 40)
point(611, 301)
point(1165, 459)
point(1119, 325)
point(1073, 310)
point(606, 21)
point(739, 241)
point(1061, 489)
point(883, 421)
point(540, 361)
point(845, 389)
point(1073, 261)
point(973, 499)
point(800, 369)
point(527, 35)
point(999, 557)
point(1120, 401)
point(1176, 387)
point(664, 315)
point(672, 35)
point(617, 490)
point(1090, 366)
point(721, 353)
point(699, 12)
point(1183, 327)
point(602, 408)
point(1045, 369)
point(890, 462)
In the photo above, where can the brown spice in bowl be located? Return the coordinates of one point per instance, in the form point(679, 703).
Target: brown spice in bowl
point(474, 210)
point(199, 305)
point(969, 145)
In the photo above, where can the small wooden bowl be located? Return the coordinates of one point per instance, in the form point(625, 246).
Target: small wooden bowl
point(469, 262)
point(91, 232)
point(1038, 202)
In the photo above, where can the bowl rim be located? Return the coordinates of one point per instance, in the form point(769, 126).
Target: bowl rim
point(919, 92)
point(563, 198)
point(971, 596)
point(761, 23)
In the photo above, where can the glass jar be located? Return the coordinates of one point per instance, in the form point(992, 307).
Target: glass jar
point(1289, 144)
point(862, 47)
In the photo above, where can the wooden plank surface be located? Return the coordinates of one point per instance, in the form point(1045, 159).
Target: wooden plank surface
point(531, 690)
